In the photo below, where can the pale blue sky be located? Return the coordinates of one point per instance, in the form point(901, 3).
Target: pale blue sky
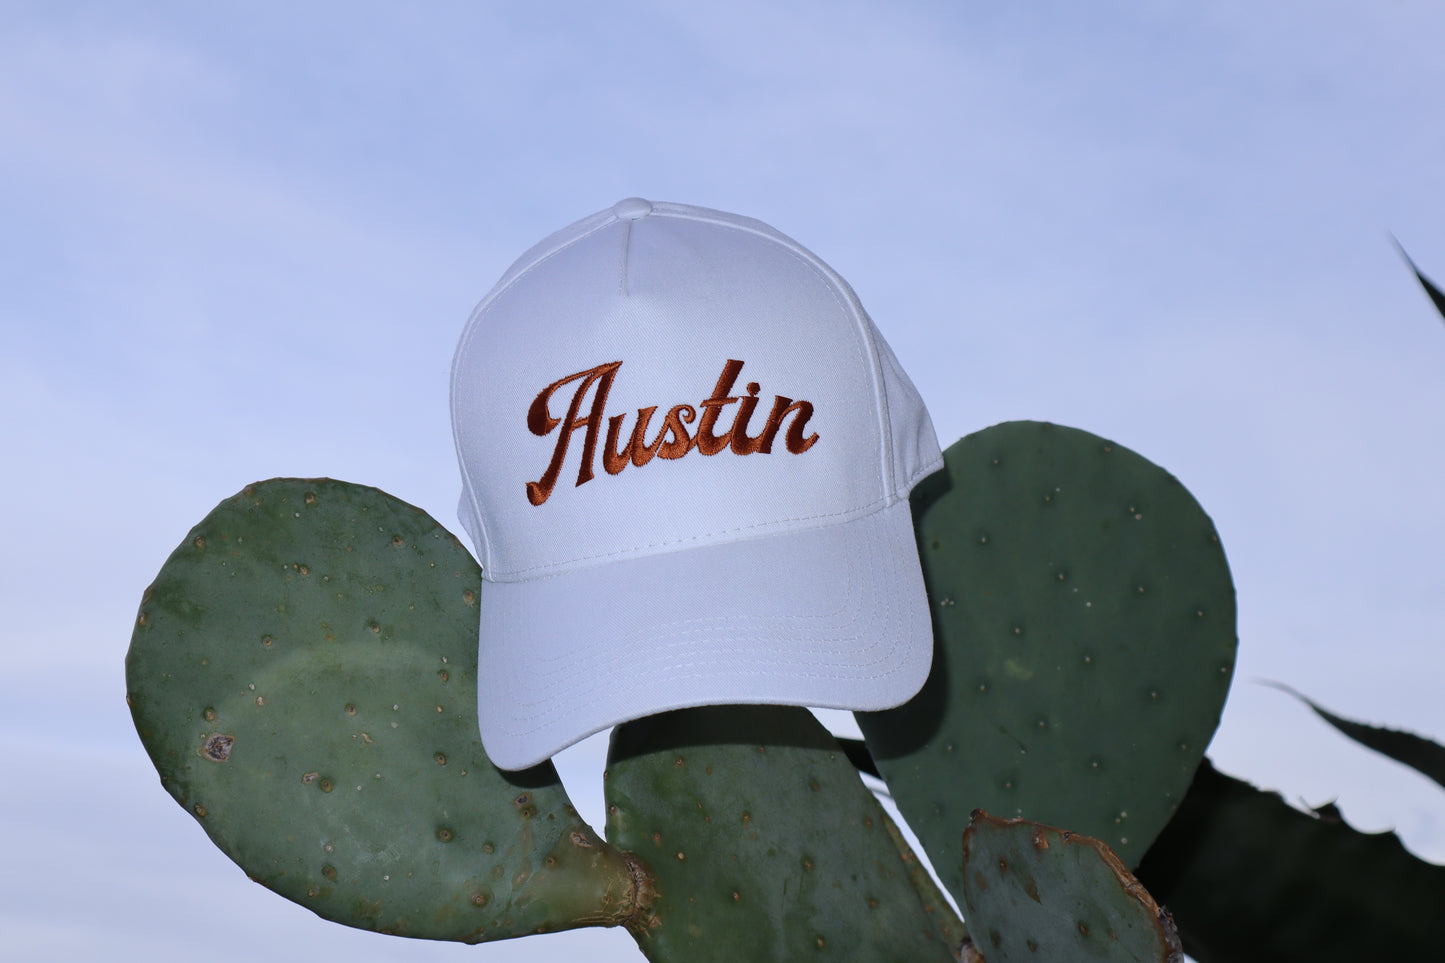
point(241, 241)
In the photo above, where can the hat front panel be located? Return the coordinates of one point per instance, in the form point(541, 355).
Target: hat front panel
point(660, 384)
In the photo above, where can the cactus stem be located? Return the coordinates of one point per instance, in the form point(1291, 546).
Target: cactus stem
point(641, 894)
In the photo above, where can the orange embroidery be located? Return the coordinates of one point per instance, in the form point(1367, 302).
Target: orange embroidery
point(673, 440)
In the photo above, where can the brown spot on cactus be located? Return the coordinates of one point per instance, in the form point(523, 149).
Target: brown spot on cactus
point(218, 747)
point(444, 834)
point(440, 758)
point(199, 810)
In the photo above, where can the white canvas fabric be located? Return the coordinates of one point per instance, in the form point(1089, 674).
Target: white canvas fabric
point(686, 455)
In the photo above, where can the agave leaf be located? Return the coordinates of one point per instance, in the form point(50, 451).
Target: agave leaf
point(857, 752)
point(1437, 297)
point(1251, 880)
point(1417, 752)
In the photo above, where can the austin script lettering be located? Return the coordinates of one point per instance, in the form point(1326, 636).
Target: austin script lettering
point(672, 440)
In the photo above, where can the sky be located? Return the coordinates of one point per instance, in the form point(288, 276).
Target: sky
point(241, 241)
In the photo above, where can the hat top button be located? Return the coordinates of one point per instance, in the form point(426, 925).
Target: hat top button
point(631, 209)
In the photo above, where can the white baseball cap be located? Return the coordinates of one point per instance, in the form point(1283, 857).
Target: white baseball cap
point(686, 455)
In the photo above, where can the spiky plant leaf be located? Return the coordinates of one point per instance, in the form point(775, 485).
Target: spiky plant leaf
point(1251, 880)
point(1423, 755)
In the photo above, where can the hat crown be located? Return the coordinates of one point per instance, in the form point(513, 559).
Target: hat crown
point(684, 446)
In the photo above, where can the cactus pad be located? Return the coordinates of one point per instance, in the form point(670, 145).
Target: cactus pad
point(764, 844)
point(1032, 892)
point(1084, 627)
point(303, 675)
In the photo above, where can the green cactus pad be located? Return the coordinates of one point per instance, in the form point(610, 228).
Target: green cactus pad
point(1084, 627)
point(1032, 892)
point(303, 675)
point(763, 842)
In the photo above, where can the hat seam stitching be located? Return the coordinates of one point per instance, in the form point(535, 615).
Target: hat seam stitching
point(858, 511)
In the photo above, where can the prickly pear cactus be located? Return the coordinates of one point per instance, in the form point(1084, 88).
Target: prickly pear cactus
point(1032, 892)
point(764, 844)
point(1084, 627)
point(303, 675)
